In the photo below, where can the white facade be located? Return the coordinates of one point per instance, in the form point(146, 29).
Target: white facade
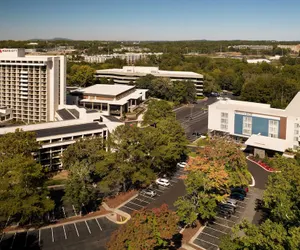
point(259, 124)
point(32, 86)
point(131, 73)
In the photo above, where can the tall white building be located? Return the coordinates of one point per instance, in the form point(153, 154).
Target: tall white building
point(31, 86)
point(132, 73)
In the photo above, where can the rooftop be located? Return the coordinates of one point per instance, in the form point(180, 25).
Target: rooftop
point(140, 70)
point(266, 142)
point(251, 107)
point(106, 89)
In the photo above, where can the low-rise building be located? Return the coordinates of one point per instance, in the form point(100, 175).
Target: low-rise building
point(261, 127)
point(111, 99)
point(131, 73)
point(55, 137)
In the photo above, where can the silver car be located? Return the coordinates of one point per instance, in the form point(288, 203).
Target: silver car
point(148, 192)
point(231, 202)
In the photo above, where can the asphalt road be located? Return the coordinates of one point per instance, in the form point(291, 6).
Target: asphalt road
point(194, 117)
point(260, 175)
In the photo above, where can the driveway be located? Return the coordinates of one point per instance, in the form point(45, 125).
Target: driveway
point(165, 195)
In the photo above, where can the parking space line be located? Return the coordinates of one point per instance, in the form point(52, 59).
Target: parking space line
point(216, 230)
point(65, 232)
point(76, 229)
point(208, 242)
point(87, 227)
point(174, 181)
point(243, 202)
point(136, 204)
point(220, 224)
point(240, 206)
point(158, 190)
point(39, 237)
point(11, 246)
point(239, 212)
point(52, 234)
point(208, 235)
point(74, 210)
point(148, 197)
point(63, 209)
point(98, 224)
point(2, 237)
point(142, 200)
point(247, 198)
point(130, 208)
point(235, 216)
point(26, 238)
point(225, 219)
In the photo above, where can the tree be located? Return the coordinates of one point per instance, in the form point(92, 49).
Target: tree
point(156, 111)
point(19, 142)
point(183, 92)
point(79, 189)
point(81, 75)
point(205, 186)
point(130, 163)
point(22, 188)
point(89, 151)
point(147, 229)
point(145, 82)
point(161, 88)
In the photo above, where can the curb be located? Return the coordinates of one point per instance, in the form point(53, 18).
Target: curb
point(273, 171)
point(195, 236)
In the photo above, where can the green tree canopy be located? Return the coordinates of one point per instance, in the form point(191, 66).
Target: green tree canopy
point(81, 75)
point(22, 188)
point(147, 229)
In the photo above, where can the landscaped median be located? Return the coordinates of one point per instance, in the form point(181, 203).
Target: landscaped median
point(263, 165)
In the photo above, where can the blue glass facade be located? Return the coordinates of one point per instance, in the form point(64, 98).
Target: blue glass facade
point(259, 125)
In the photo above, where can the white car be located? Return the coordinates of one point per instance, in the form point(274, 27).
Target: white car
point(163, 182)
point(182, 164)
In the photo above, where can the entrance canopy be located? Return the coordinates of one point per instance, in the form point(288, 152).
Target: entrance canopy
point(266, 142)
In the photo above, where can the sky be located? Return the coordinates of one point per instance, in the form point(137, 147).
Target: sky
point(150, 19)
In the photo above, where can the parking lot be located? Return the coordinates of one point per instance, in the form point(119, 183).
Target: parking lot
point(143, 201)
point(209, 238)
point(85, 234)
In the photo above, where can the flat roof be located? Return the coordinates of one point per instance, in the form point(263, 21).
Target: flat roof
point(140, 70)
point(266, 142)
point(111, 118)
point(107, 89)
point(250, 107)
point(68, 129)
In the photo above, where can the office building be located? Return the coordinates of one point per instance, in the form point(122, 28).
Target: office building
point(31, 86)
point(111, 99)
point(261, 127)
point(73, 123)
point(131, 73)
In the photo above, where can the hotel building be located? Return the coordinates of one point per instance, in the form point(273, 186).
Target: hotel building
point(31, 87)
point(131, 73)
point(261, 127)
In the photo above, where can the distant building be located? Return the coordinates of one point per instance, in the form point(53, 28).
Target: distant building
point(31, 86)
point(261, 127)
point(294, 48)
point(253, 47)
point(130, 58)
point(258, 60)
point(111, 99)
point(131, 73)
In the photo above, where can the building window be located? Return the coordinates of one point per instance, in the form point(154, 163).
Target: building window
point(296, 138)
point(224, 121)
point(273, 128)
point(247, 125)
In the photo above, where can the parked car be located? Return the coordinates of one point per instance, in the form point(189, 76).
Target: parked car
point(237, 196)
point(148, 192)
point(224, 213)
point(238, 190)
point(227, 207)
point(163, 182)
point(182, 164)
point(230, 202)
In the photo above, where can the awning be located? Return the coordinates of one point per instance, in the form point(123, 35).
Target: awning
point(265, 142)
